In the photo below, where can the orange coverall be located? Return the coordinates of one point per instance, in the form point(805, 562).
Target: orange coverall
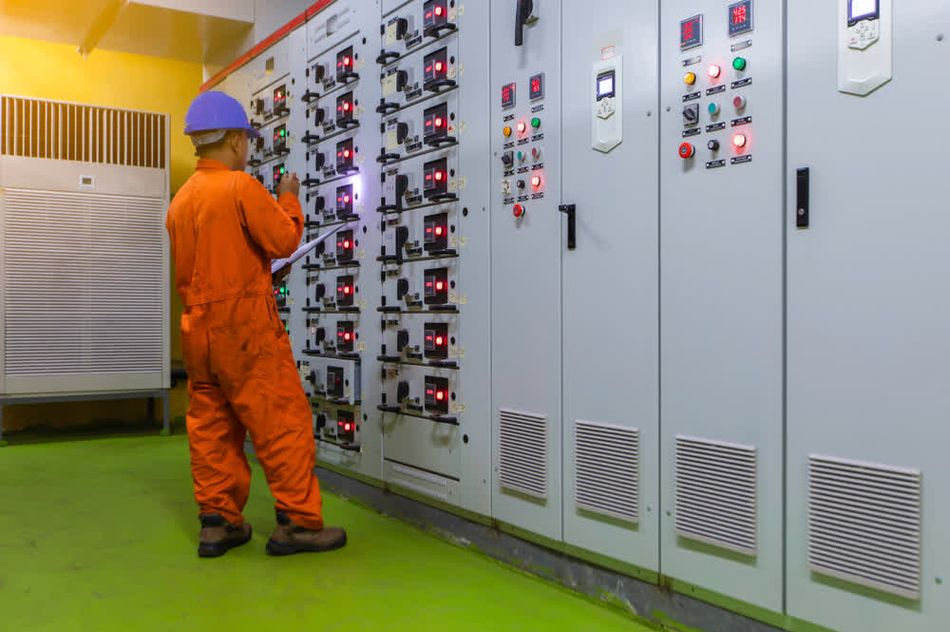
point(225, 228)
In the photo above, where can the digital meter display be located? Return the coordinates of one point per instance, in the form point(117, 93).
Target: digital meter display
point(863, 10)
point(740, 17)
point(508, 95)
point(691, 32)
point(605, 85)
point(536, 86)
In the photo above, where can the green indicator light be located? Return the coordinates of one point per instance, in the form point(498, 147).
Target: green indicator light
point(739, 63)
point(536, 122)
point(283, 133)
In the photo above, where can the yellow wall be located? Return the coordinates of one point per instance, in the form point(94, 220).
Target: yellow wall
point(46, 70)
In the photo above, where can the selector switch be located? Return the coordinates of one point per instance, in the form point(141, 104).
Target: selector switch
point(691, 115)
point(507, 159)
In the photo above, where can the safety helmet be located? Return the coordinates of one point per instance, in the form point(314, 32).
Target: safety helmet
point(212, 115)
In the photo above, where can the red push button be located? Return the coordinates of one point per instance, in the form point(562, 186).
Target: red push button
point(687, 151)
point(518, 211)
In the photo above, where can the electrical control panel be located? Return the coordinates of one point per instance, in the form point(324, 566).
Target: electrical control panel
point(721, 160)
point(498, 324)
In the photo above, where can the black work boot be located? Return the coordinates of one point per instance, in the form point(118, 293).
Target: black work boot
point(288, 538)
point(218, 536)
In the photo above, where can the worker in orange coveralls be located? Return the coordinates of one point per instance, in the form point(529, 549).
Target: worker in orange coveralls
point(225, 229)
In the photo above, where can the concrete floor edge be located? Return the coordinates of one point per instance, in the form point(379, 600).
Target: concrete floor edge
point(642, 599)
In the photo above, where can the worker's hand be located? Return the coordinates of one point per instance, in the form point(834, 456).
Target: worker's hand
point(280, 275)
point(289, 183)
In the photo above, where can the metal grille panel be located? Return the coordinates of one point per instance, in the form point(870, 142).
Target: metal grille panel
point(716, 493)
point(607, 470)
point(35, 128)
point(864, 524)
point(83, 283)
point(523, 452)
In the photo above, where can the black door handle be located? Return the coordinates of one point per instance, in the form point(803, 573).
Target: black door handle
point(571, 211)
point(523, 10)
point(802, 204)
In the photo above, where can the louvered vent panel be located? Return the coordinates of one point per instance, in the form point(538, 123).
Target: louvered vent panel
point(864, 524)
point(82, 283)
point(607, 470)
point(34, 128)
point(523, 452)
point(716, 493)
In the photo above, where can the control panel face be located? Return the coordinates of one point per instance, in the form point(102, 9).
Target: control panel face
point(419, 76)
point(423, 339)
point(716, 87)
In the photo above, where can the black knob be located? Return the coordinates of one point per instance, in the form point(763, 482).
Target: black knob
point(321, 421)
point(402, 27)
point(402, 236)
point(402, 288)
point(402, 339)
point(320, 203)
point(713, 145)
point(319, 72)
point(321, 247)
point(321, 335)
point(320, 115)
point(508, 158)
point(402, 131)
point(312, 378)
point(320, 160)
point(402, 391)
point(520, 184)
point(321, 290)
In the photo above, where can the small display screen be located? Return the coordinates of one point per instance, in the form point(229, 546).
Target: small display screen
point(740, 17)
point(862, 10)
point(691, 32)
point(605, 85)
point(508, 95)
point(536, 88)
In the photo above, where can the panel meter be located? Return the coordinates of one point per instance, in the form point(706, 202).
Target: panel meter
point(691, 32)
point(865, 58)
point(607, 104)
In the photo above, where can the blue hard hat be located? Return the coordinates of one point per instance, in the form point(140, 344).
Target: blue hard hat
point(214, 110)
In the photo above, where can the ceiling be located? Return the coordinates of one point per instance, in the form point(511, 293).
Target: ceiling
point(189, 32)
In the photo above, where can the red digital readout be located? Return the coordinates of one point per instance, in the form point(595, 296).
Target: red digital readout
point(689, 29)
point(740, 14)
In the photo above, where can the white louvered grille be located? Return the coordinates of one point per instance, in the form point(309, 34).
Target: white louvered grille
point(864, 524)
point(607, 470)
point(35, 128)
point(523, 452)
point(716, 493)
point(83, 283)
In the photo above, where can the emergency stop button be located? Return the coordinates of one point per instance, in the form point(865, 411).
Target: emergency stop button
point(518, 211)
point(687, 150)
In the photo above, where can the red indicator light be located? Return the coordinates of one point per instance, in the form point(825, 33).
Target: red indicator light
point(535, 181)
point(439, 231)
point(438, 176)
point(522, 126)
point(440, 395)
point(346, 106)
point(739, 140)
point(714, 71)
point(347, 427)
point(439, 286)
point(439, 66)
point(438, 121)
point(346, 153)
point(346, 61)
point(346, 199)
point(428, 283)
point(346, 289)
point(439, 340)
point(439, 11)
point(347, 336)
point(346, 244)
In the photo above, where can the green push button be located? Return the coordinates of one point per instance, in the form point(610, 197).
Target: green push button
point(536, 122)
point(739, 63)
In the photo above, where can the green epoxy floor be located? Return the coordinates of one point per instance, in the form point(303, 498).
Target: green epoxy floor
point(100, 535)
